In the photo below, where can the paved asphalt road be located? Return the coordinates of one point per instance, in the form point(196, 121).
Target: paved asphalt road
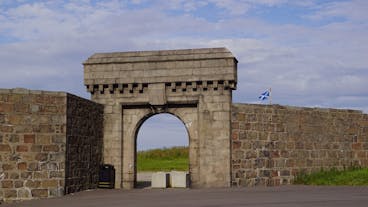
point(284, 196)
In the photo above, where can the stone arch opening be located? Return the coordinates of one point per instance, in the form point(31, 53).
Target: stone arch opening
point(175, 127)
point(155, 125)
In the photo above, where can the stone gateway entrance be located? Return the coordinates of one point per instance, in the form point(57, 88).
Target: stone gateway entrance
point(194, 85)
point(52, 143)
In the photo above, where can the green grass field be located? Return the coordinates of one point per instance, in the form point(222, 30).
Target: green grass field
point(352, 177)
point(166, 159)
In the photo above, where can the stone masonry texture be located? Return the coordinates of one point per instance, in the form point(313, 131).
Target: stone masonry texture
point(271, 144)
point(84, 132)
point(194, 85)
point(33, 137)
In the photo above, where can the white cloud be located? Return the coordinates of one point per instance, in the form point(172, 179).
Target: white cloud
point(355, 10)
point(305, 65)
point(234, 7)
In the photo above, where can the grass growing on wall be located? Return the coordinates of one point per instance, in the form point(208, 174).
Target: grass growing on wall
point(166, 159)
point(352, 177)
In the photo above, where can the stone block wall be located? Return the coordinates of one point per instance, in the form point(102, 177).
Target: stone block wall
point(84, 143)
point(271, 144)
point(33, 142)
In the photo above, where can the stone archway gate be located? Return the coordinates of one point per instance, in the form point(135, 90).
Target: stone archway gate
point(195, 85)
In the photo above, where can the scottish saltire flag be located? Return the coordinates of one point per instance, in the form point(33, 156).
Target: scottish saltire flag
point(264, 95)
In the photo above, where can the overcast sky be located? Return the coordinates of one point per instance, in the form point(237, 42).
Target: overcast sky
point(312, 53)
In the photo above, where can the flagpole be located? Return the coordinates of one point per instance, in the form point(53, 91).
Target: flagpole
point(270, 97)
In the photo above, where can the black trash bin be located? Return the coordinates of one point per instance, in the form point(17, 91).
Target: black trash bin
point(107, 176)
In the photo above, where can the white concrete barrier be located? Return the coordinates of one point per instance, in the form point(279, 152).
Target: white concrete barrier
point(179, 179)
point(160, 180)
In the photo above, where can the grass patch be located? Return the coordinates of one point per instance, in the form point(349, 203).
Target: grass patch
point(352, 177)
point(166, 159)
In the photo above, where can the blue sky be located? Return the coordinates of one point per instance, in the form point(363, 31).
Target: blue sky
point(312, 53)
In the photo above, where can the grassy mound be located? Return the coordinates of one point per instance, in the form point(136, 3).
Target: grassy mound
point(352, 177)
point(166, 159)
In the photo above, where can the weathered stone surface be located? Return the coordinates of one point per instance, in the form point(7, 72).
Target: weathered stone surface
point(49, 183)
point(56, 192)
point(5, 148)
point(22, 148)
point(160, 66)
point(22, 166)
point(160, 180)
point(33, 138)
point(29, 138)
point(51, 148)
point(84, 137)
point(40, 193)
point(157, 94)
point(194, 85)
point(274, 143)
point(7, 184)
point(24, 193)
point(18, 184)
point(9, 194)
point(32, 184)
point(179, 179)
